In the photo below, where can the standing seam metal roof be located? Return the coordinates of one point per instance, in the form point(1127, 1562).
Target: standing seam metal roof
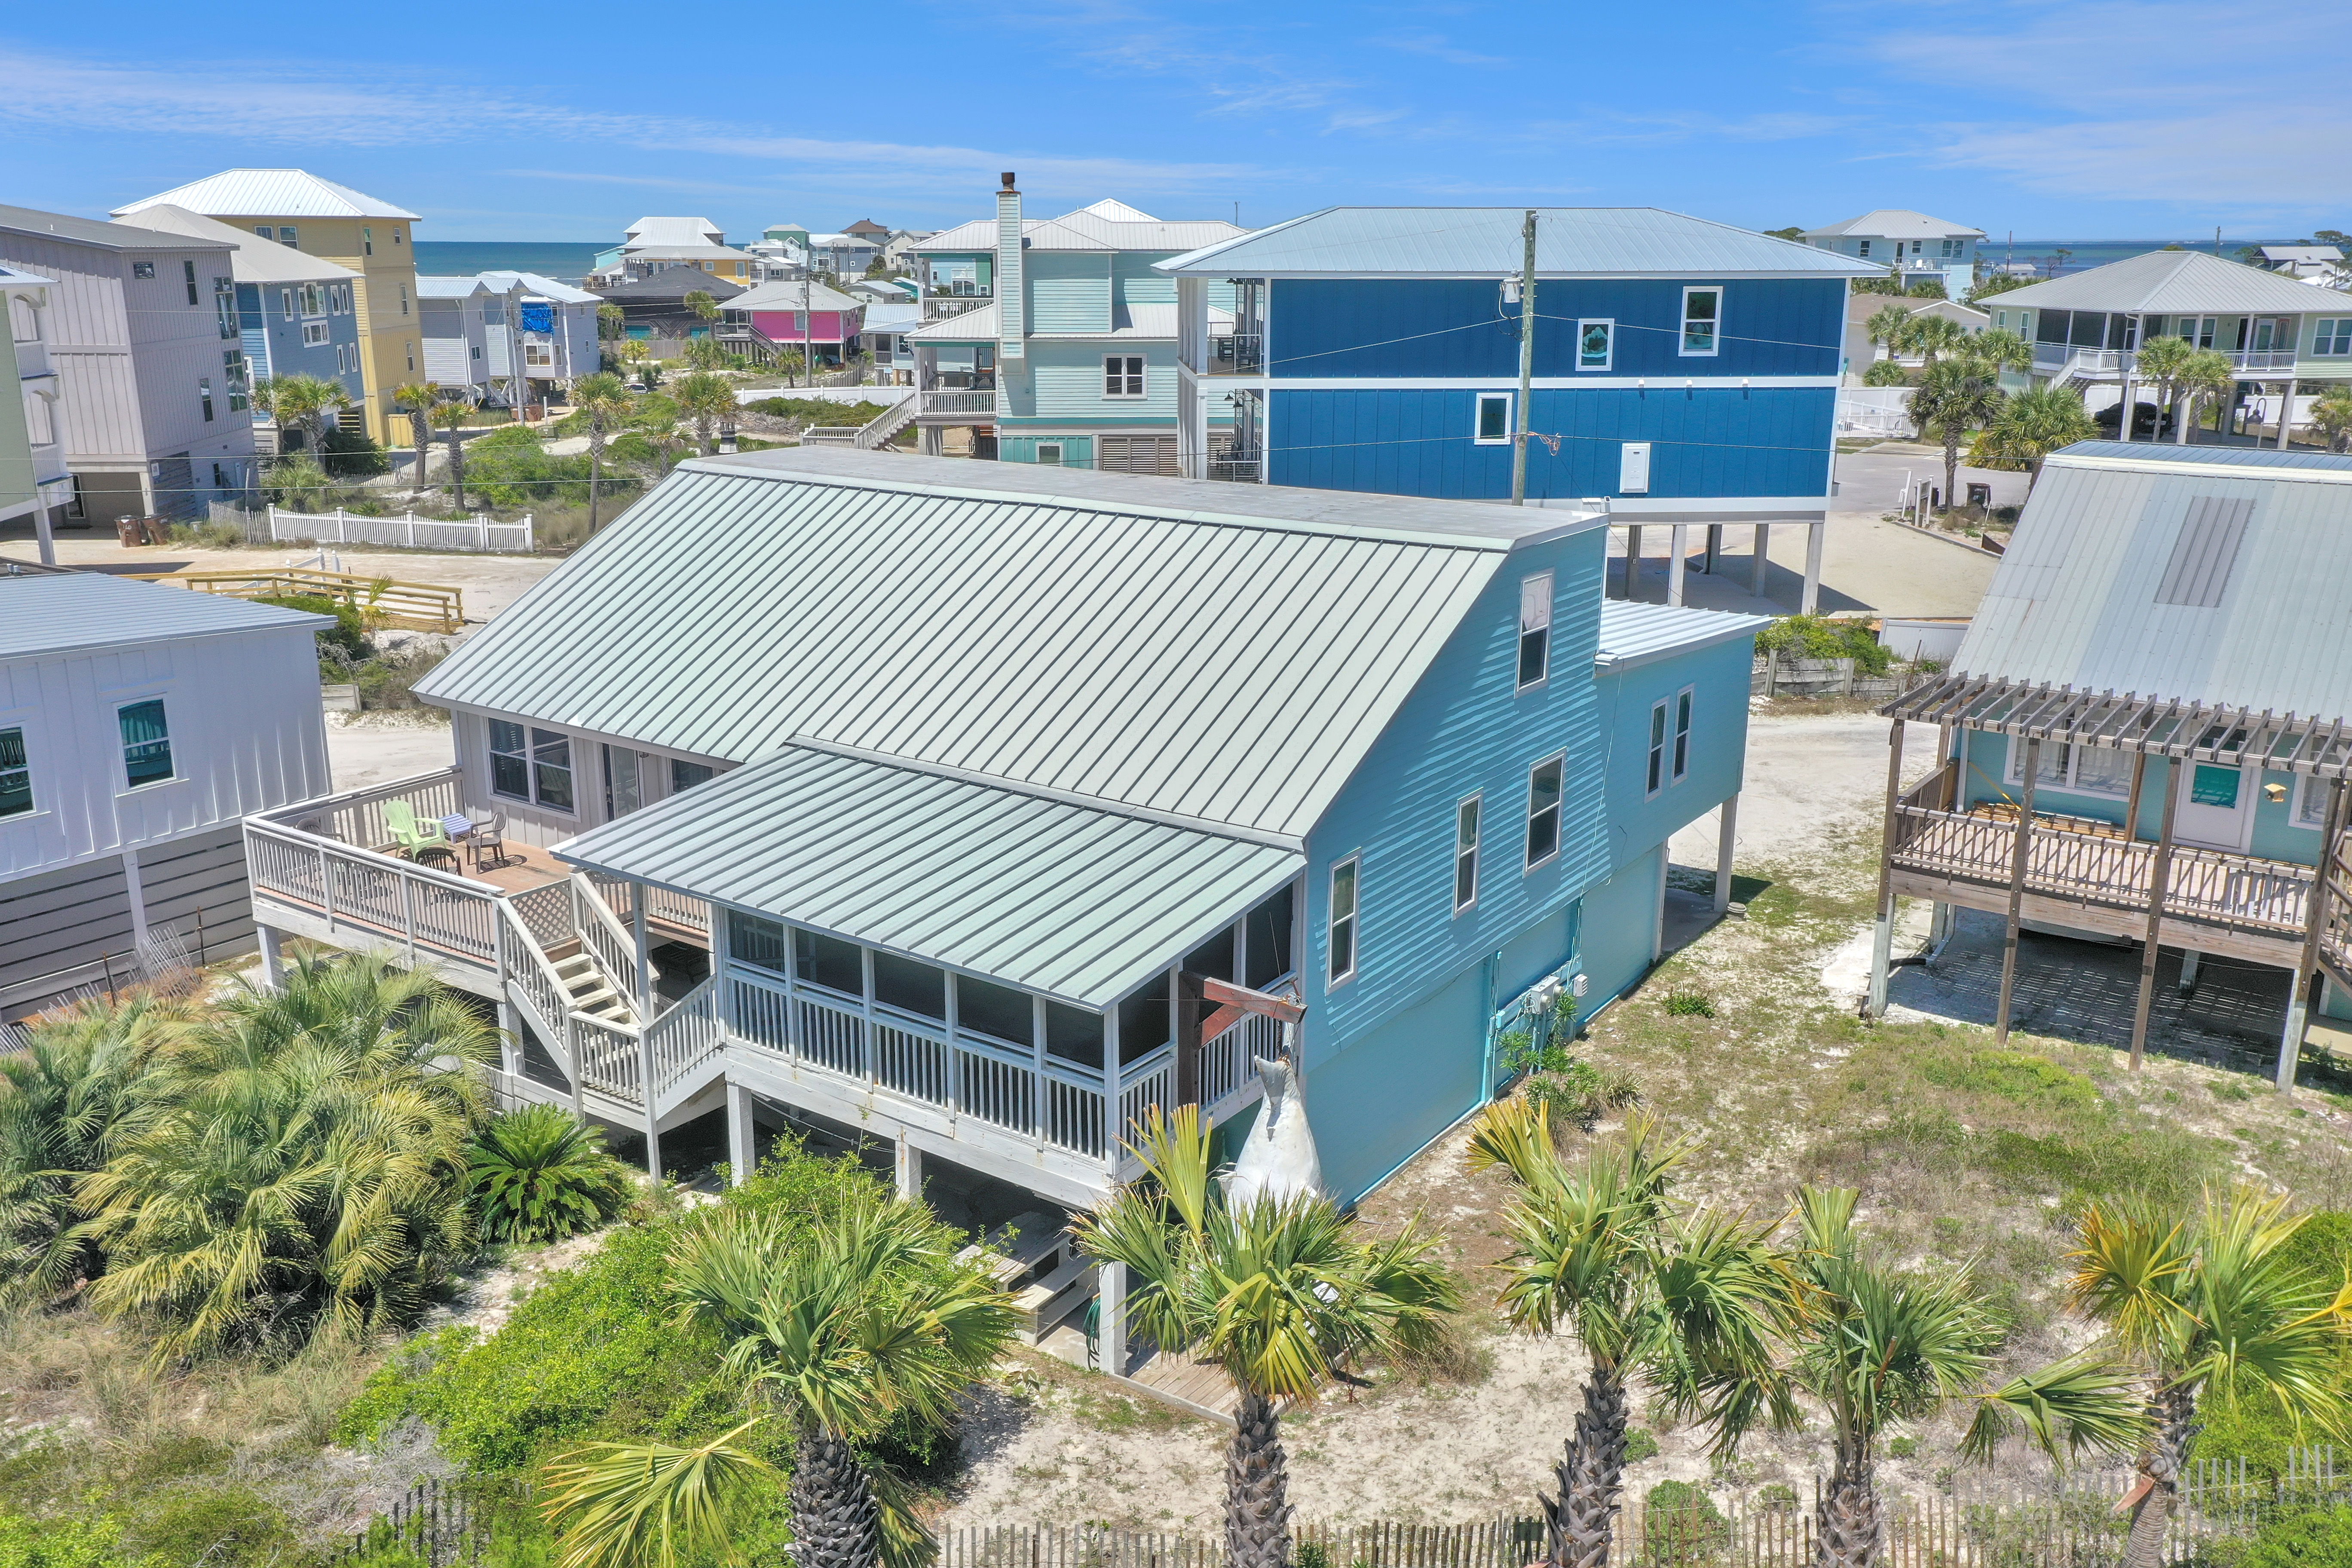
point(271, 192)
point(256, 260)
point(1487, 241)
point(1116, 642)
point(51, 614)
point(2165, 281)
point(1081, 904)
point(2075, 600)
point(1634, 633)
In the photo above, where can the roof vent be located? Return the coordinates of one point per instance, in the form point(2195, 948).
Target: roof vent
point(2206, 552)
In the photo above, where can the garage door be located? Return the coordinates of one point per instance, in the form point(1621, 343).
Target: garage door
point(1136, 454)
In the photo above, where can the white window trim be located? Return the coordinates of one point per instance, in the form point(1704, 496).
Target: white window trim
point(529, 757)
point(1682, 326)
point(1559, 807)
point(1478, 419)
point(1681, 722)
point(1332, 979)
point(1142, 374)
point(2306, 786)
point(1657, 744)
point(2015, 771)
point(1551, 599)
point(33, 775)
point(1477, 799)
point(121, 758)
point(1609, 359)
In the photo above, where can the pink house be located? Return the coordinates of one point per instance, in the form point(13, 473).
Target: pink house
point(787, 313)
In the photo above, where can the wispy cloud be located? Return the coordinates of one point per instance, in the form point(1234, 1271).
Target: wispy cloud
point(1436, 46)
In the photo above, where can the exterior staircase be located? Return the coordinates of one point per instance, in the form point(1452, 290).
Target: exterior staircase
point(874, 433)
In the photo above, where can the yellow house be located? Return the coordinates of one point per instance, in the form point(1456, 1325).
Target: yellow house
point(320, 217)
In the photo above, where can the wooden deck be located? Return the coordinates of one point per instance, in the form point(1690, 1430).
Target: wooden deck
point(523, 866)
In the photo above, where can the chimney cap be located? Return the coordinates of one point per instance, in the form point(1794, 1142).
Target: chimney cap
point(1007, 178)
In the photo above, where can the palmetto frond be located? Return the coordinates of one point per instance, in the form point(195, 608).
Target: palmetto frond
point(2089, 1402)
point(650, 1505)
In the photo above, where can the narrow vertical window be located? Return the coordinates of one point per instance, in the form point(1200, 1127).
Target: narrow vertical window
point(509, 760)
point(205, 396)
point(188, 270)
point(16, 775)
point(1494, 423)
point(1465, 854)
point(551, 769)
point(146, 742)
point(1702, 313)
point(1342, 923)
point(1596, 342)
point(1543, 810)
point(1657, 777)
point(367, 240)
point(1682, 732)
point(1535, 629)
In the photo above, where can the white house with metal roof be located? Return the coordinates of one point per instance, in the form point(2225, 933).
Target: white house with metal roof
point(1909, 245)
point(1054, 340)
point(139, 724)
point(34, 477)
point(978, 808)
point(2280, 334)
point(2148, 728)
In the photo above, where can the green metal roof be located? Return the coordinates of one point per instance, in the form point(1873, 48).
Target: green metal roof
point(1078, 904)
point(1221, 654)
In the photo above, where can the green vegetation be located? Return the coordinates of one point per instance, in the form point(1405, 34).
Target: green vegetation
point(1683, 1528)
point(541, 1175)
point(1819, 637)
point(2302, 1540)
point(818, 410)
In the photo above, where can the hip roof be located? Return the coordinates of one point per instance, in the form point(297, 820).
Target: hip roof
point(1488, 242)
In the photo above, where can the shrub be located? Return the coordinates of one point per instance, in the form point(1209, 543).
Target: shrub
point(818, 410)
point(2247, 1426)
point(1640, 1444)
point(1584, 1093)
point(540, 1175)
point(1903, 1447)
point(1779, 1497)
point(1687, 1002)
point(1683, 1526)
point(388, 680)
point(351, 454)
point(68, 1543)
point(1819, 637)
point(347, 638)
point(2302, 1540)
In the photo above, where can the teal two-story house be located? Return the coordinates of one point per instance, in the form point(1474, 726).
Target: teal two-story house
point(1052, 340)
point(976, 809)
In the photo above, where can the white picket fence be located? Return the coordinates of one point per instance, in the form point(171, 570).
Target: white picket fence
point(410, 531)
point(1875, 411)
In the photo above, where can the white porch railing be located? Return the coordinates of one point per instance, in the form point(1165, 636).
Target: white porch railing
point(958, 402)
point(2060, 360)
point(409, 530)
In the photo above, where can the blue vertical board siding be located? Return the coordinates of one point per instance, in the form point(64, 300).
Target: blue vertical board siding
point(1620, 919)
point(1703, 441)
point(1404, 1037)
point(1718, 678)
point(1423, 327)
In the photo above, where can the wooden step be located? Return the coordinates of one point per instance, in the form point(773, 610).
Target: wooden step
point(1038, 1306)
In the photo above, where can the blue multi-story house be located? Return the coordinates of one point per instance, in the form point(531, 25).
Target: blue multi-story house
point(293, 313)
point(978, 808)
point(1685, 371)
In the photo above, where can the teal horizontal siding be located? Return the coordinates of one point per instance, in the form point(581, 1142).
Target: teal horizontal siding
point(1068, 293)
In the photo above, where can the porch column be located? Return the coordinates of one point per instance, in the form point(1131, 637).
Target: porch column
point(1110, 1320)
point(1725, 833)
point(906, 1171)
point(648, 1088)
point(1678, 563)
point(2020, 850)
point(1714, 546)
point(2299, 995)
point(1761, 558)
point(1882, 940)
point(1812, 595)
point(2123, 429)
point(742, 1146)
point(2286, 413)
point(510, 1031)
point(2190, 960)
point(2159, 877)
point(273, 960)
point(1633, 558)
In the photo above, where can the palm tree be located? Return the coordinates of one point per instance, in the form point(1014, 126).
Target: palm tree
point(2208, 1307)
point(707, 400)
point(66, 1099)
point(2331, 416)
point(1875, 1346)
point(1886, 373)
point(304, 403)
point(2032, 425)
point(418, 398)
point(1964, 391)
point(841, 1327)
point(1889, 326)
point(1691, 1302)
point(2207, 373)
point(449, 417)
point(305, 1172)
point(2161, 363)
point(602, 405)
point(1934, 335)
point(1275, 1293)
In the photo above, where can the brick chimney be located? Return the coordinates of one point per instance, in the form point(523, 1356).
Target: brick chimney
point(1012, 315)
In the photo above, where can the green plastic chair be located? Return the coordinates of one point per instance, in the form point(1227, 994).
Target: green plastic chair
point(415, 839)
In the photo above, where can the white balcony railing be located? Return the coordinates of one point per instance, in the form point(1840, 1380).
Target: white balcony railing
point(958, 402)
point(2059, 359)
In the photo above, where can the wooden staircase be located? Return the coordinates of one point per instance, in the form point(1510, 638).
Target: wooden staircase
point(589, 990)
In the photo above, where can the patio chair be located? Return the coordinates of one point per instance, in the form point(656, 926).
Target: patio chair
point(414, 839)
point(490, 834)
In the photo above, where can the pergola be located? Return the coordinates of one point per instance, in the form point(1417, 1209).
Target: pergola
point(2180, 730)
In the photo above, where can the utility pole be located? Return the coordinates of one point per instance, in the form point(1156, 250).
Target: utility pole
point(1527, 361)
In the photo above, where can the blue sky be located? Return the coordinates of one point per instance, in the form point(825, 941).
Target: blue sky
point(2055, 121)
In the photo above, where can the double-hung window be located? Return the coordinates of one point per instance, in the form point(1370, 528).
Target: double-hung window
point(1543, 810)
point(15, 774)
point(1535, 629)
point(188, 276)
point(1681, 733)
point(1465, 854)
point(1122, 376)
point(1341, 926)
point(146, 742)
point(534, 765)
point(1702, 321)
point(1596, 345)
point(2332, 337)
point(1493, 425)
point(2084, 770)
point(1656, 779)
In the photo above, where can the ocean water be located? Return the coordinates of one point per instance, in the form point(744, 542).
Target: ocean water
point(464, 257)
point(2089, 253)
